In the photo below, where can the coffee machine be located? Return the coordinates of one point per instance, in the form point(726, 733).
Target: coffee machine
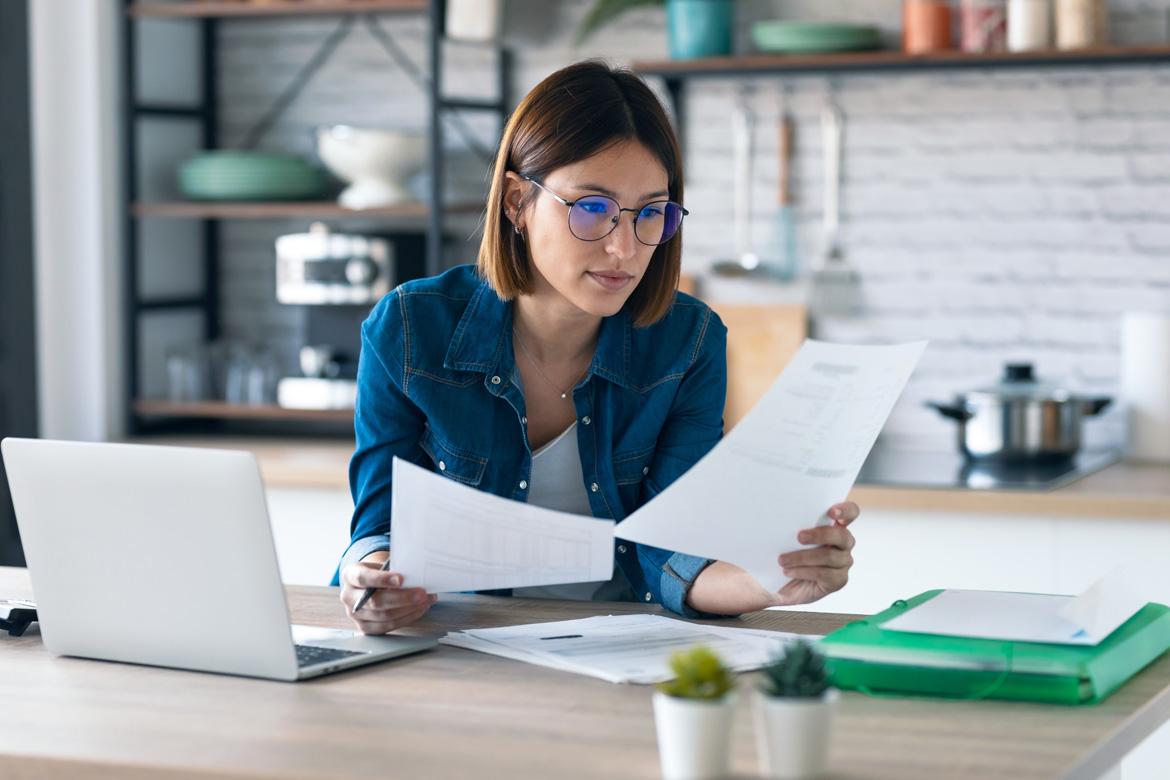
point(338, 277)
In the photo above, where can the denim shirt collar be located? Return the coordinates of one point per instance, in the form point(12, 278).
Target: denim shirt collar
point(482, 340)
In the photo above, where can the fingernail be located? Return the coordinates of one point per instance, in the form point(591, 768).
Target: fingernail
point(395, 581)
point(837, 513)
point(802, 537)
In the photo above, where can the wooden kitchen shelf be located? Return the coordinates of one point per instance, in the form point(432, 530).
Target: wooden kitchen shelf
point(287, 210)
point(243, 8)
point(221, 410)
point(886, 60)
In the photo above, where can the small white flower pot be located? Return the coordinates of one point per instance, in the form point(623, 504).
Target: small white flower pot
point(792, 735)
point(694, 736)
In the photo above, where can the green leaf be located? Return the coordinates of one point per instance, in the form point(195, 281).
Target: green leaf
point(605, 11)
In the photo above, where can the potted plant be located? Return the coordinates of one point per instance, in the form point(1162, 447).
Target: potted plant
point(794, 713)
point(695, 28)
point(692, 715)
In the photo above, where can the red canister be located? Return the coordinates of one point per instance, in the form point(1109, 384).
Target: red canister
point(926, 26)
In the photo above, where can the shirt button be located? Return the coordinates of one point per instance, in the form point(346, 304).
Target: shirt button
point(595, 487)
point(649, 597)
point(586, 420)
point(645, 470)
point(523, 484)
point(495, 380)
point(621, 548)
point(442, 466)
point(523, 420)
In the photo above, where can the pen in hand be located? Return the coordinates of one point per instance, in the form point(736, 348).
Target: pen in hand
point(370, 591)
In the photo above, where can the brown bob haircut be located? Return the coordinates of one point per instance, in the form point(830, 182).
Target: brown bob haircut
point(571, 115)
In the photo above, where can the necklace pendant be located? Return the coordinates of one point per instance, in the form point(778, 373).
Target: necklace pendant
point(564, 395)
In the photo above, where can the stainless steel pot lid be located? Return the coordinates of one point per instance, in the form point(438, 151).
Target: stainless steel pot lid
point(1019, 383)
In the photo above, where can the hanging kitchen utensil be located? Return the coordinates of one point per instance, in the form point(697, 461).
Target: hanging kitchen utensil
point(836, 286)
point(781, 261)
point(742, 129)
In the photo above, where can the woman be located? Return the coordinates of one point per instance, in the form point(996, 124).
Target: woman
point(564, 369)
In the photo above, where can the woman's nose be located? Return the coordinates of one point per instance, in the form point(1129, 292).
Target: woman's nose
point(622, 241)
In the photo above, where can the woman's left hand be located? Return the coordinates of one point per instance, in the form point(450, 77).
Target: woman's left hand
point(821, 570)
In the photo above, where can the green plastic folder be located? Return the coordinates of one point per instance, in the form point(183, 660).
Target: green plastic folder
point(865, 657)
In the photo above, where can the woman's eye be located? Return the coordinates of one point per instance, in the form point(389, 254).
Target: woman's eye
point(650, 211)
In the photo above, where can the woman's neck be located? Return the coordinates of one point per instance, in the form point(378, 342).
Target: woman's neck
point(555, 331)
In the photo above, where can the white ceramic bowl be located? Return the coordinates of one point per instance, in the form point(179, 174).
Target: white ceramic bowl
point(376, 163)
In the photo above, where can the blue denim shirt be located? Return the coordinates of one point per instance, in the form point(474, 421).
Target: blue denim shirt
point(438, 386)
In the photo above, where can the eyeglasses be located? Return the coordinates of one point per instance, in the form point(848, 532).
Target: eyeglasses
point(594, 217)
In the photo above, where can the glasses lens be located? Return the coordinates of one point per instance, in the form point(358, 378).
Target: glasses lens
point(593, 217)
point(658, 222)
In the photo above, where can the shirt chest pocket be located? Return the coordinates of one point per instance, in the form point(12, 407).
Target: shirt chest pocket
point(630, 468)
point(458, 464)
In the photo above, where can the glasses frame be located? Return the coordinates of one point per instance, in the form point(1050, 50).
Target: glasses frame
point(637, 212)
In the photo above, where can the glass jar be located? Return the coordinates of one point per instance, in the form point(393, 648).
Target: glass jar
point(1080, 24)
point(983, 25)
point(926, 26)
point(1029, 25)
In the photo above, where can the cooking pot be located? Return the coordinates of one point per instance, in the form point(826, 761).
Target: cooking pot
point(1021, 418)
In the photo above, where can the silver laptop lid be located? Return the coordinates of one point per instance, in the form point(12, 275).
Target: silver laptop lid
point(152, 555)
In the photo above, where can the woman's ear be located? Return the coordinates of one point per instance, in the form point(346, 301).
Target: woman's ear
point(514, 189)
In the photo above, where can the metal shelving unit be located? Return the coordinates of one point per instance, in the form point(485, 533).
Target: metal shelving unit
point(146, 413)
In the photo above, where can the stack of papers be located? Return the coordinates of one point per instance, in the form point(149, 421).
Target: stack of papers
point(622, 648)
point(794, 455)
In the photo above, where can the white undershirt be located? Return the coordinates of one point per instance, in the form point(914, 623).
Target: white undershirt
point(557, 483)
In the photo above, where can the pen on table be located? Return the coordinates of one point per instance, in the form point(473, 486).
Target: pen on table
point(370, 591)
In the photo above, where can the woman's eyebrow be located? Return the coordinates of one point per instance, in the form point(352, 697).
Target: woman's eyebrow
point(604, 191)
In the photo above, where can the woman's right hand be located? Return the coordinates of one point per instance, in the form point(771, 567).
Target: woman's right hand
point(391, 606)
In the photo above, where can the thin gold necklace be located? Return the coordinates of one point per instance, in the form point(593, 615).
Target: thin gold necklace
point(564, 393)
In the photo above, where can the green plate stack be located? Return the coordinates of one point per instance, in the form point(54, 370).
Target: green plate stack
point(238, 175)
point(813, 37)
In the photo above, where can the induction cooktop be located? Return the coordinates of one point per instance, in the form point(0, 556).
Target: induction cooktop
point(900, 467)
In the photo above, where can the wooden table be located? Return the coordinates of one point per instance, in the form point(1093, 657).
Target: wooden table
point(452, 713)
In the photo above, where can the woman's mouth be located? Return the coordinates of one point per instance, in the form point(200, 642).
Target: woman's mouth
point(610, 281)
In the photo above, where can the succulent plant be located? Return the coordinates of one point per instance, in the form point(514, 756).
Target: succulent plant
point(699, 674)
point(798, 672)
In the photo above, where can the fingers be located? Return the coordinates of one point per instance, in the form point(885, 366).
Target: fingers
point(394, 599)
point(392, 620)
point(830, 580)
point(845, 512)
point(367, 575)
point(831, 557)
point(832, 535)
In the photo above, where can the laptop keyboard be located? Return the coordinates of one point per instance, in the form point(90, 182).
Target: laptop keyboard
point(307, 655)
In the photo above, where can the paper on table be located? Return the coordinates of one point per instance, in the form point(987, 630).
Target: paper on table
point(620, 648)
point(796, 453)
point(451, 537)
point(1020, 617)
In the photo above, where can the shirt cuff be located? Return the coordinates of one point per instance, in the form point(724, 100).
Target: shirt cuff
point(360, 548)
point(678, 575)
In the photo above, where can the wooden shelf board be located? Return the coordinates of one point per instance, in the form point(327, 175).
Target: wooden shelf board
point(230, 8)
point(897, 60)
point(286, 210)
point(222, 410)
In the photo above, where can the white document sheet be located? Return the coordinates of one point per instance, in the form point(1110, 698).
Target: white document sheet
point(1024, 617)
point(795, 454)
point(450, 537)
point(621, 648)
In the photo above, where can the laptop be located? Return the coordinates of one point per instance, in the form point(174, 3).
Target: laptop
point(164, 556)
